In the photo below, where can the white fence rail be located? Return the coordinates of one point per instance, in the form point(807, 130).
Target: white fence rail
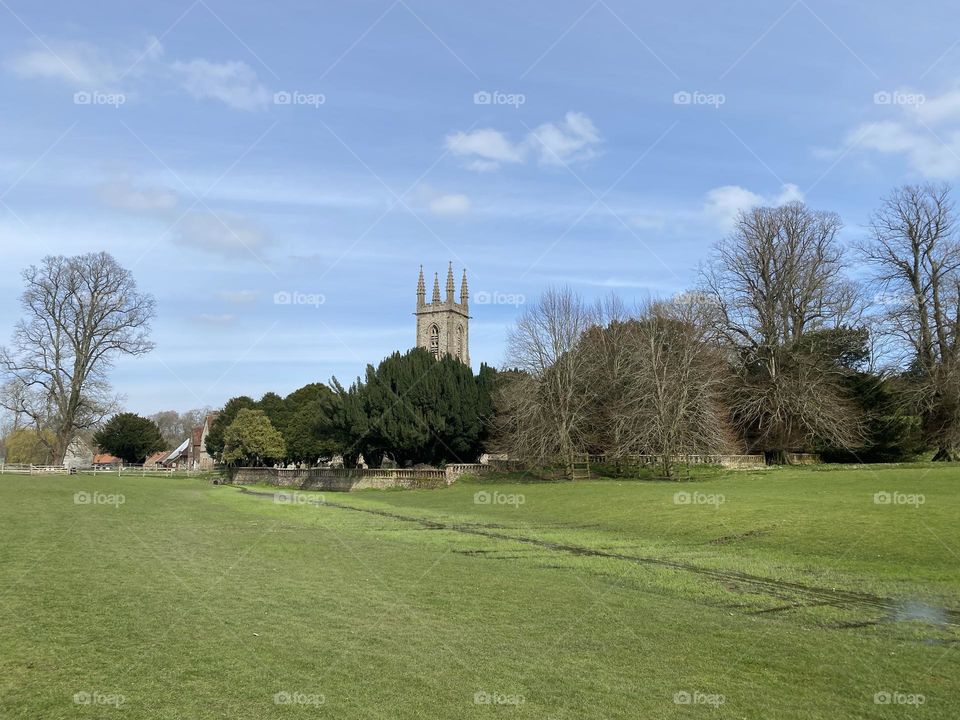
point(24, 469)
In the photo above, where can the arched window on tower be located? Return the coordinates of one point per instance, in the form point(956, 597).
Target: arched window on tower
point(435, 341)
point(460, 342)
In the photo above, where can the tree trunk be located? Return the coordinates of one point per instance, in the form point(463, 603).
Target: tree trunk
point(776, 457)
point(947, 454)
point(667, 467)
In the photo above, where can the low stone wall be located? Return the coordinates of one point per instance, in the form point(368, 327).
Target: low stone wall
point(803, 459)
point(348, 479)
point(727, 461)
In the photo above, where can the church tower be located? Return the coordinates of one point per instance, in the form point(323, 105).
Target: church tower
point(443, 326)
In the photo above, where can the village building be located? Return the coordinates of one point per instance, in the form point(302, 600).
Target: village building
point(79, 454)
point(199, 458)
point(179, 458)
point(106, 461)
point(156, 460)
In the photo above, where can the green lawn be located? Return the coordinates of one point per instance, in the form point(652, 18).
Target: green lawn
point(771, 594)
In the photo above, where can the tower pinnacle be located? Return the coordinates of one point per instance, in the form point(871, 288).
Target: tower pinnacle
point(436, 288)
point(464, 295)
point(421, 288)
point(450, 286)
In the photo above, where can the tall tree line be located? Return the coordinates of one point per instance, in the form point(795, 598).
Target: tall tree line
point(777, 348)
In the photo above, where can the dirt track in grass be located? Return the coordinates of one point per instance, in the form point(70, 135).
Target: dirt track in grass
point(809, 596)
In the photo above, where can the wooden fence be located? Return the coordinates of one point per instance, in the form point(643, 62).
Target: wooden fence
point(23, 469)
point(142, 470)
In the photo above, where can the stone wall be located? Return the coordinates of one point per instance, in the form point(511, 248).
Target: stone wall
point(348, 479)
point(727, 461)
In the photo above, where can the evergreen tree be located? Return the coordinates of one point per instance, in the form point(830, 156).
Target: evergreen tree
point(417, 409)
point(130, 437)
point(275, 408)
point(306, 429)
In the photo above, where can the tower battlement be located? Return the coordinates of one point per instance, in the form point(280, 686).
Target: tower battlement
point(443, 325)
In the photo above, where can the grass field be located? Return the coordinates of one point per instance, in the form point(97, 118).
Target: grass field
point(794, 593)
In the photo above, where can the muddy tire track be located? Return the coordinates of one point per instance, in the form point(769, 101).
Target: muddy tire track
point(812, 595)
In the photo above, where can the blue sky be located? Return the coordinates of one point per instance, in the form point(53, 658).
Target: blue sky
point(227, 152)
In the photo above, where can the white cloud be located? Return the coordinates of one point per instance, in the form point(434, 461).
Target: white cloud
point(439, 203)
point(925, 133)
point(723, 204)
point(488, 147)
point(239, 297)
point(450, 205)
point(82, 64)
point(573, 139)
point(124, 195)
point(88, 67)
point(79, 64)
point(232, 235)
point(649, 220)
point(234, 83)
point(228, 234)
point(933, 153)
point(946, 107)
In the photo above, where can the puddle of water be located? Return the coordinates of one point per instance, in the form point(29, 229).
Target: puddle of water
point(916, 610)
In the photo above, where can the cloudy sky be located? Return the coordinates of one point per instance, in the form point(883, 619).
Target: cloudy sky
point(227, 152)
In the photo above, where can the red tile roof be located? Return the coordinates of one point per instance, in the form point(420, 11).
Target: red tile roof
point(156, 458)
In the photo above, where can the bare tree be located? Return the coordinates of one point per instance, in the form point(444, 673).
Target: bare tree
point(777, 277)
point(604, 380)
point(81, 313)
point(608, 367)
point(914, 250)
point(175, 426)
point(544, 412)
point(673, 399)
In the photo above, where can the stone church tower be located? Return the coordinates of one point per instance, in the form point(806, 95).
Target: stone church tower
point(443, 325)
